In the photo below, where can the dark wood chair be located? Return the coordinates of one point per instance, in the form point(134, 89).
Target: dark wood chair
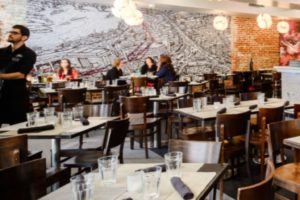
point(14, 150)
point(245, 96)
point(262, 190)
point(198, 152)
point(70, 97)
point(111, 100)
point(296, 111)
point(210, 76)
point(25, 181)
point(115, 135)
point(135, 108)
point(137, 83)
point(233, 130)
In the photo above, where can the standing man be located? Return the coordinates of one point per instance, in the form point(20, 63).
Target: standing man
point(16, 61)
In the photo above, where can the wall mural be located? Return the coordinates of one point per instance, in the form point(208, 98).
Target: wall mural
point(290, 44)
point(92, 37)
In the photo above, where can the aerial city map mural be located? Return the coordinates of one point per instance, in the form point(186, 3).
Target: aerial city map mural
point(92, 37)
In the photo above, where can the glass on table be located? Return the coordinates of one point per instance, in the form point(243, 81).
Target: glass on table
point(32, 118)
point(261, 98)
point(203, 101)
point(77, 112)
point(66, 119)
point(197, 104)
point(108, 169)
point(151, 182)
point(135, 182)
point(49, 114)
point(173, 162)
point(82, 188)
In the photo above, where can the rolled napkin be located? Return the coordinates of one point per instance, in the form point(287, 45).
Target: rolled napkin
point(184, 191)
point(36, 129)
point(238, 102)
point(221, 111)
point(171, 95)
point(152, 169)
point(84, 121)
point(266, 99)
point(252, 107)
point(286, 103)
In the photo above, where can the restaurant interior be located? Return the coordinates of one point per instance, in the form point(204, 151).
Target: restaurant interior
point(133, 99)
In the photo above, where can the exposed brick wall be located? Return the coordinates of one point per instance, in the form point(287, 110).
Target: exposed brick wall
point(248, 40)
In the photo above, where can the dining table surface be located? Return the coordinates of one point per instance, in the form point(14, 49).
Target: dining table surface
point(200, 178)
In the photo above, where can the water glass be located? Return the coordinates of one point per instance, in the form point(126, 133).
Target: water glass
point(135, 182)
point(181, 90)
point(108, 169)
point(217, 105)
point(66, 119)
point(203, 101)
point(49, 115)
point(173, 162)
point(31, 118)
point(77, 113)
point(197, 104)
point(81, 188)
point(261, 98)
point(151, 182)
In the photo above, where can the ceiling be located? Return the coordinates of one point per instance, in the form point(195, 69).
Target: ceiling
point(286, 9)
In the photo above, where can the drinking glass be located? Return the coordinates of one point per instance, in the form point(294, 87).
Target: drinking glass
point(135, 182)
point(49, 115)
point(151, 182)
point(108, 169)
point(173, 162)
point(66, 119)
point(217, 105)
point(261, 98)
point(203, 101)
point(197, 104)
point(31, 118)
point(81, 188)
point(77, 112)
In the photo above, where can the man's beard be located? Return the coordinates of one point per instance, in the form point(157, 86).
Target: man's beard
point(12, 41)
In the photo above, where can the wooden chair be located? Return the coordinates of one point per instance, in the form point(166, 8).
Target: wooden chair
point(210, 76)
point(266, 115)
point(278, 131)
point(115, 135)
point(137, 83)
point(233, 131)
point(296, 111)
point(70, 97)
point(25, 181)
point(262, 190)
point(135, 108)
point(198, 152)
point(110, 98)
point(14, 150)
point(245, 96)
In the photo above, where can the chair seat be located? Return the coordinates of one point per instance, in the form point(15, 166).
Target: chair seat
point(288, 176)
point(86, 159)
point(256, 139)
point(198, 133)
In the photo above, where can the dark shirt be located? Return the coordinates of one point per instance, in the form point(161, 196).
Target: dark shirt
point(165, 73)
point(114, 73)
point(145, 69)
point(14, 100)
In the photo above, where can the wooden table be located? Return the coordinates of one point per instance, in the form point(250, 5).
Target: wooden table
point(58, 133)
point(210, 113)
point(201, 178)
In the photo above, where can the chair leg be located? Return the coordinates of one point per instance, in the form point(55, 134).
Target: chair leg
point(141, 138)
point(146, 143)
point(262, 159)
point(80, 141)
point(158, 135)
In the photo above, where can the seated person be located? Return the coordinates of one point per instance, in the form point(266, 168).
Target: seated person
point(66, 72)
point(165, 69)
point(149, 66)
point(116, 71)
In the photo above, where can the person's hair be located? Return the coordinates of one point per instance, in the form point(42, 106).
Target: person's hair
point(69, 66)
point(116, 62)
point(165, 60)
point(152, 60)
point(23, 29)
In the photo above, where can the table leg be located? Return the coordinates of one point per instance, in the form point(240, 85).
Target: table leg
point(155, 107)
point(55, 151)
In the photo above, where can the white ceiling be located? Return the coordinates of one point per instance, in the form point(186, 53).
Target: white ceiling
point(287, 9)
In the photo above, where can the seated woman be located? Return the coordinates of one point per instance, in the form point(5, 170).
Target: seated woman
point(165, 69)
point(149, 66)
point(116, 71)
point(66, 72)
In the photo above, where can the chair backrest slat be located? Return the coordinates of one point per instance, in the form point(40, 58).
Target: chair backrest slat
point(197, 151)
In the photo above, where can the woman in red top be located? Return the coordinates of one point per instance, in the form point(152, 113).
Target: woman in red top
point(66, 71)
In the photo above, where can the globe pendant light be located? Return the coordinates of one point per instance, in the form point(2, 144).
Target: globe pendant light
point(264, 21)
point(283, 27)
point(220, 23)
